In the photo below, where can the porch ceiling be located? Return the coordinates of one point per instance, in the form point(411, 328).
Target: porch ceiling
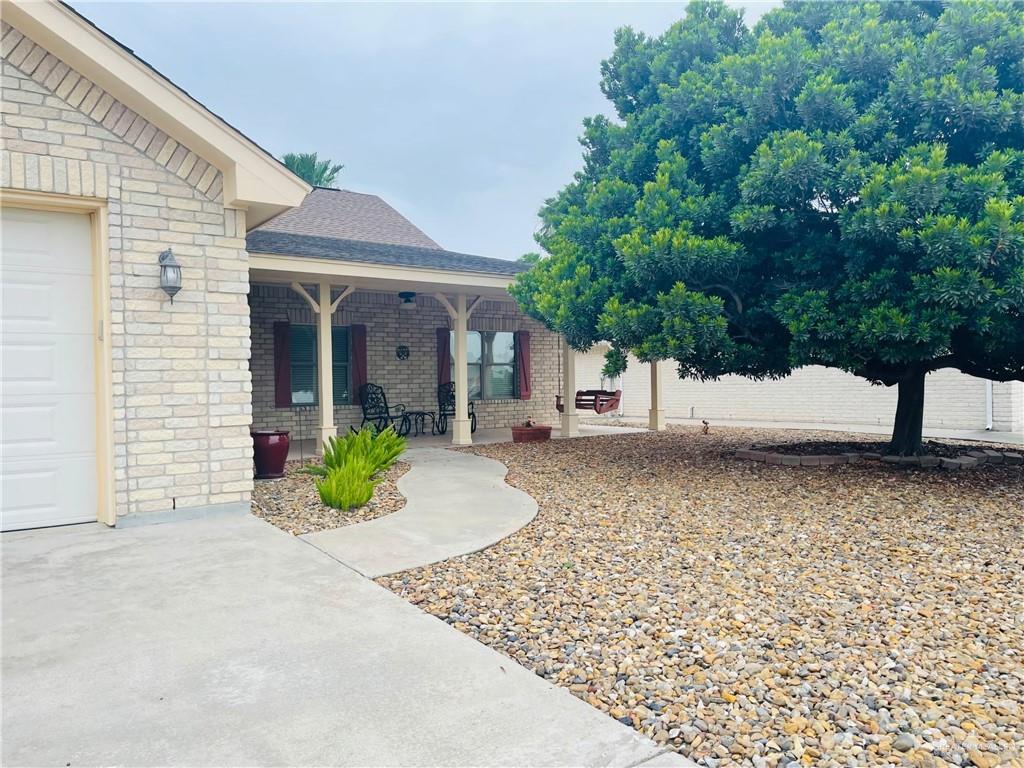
point(272, 269)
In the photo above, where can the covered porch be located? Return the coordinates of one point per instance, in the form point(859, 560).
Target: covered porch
point(322, 328)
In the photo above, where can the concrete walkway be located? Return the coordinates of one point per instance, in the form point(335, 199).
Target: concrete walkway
point(456, 503)
point(226, 642)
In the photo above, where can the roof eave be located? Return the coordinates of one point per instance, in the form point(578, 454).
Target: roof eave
point(372, 275)
point(253, 179)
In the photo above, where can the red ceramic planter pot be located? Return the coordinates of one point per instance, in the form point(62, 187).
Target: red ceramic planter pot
point(270, 451)
point(530, 434)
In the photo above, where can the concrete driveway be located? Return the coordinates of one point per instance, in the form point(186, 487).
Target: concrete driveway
point(228, 642)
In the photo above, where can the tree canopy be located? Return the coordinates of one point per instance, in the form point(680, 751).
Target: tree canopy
point(311, 169)
point(842, 185)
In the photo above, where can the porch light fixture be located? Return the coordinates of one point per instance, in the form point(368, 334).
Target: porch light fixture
point(170, 274)
point(408, 304)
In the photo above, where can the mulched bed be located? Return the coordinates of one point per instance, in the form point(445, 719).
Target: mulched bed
point(293, 505)
point(756, 615)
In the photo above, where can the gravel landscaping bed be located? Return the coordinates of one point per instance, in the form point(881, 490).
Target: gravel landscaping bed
point(293, 504)
point(758, 615)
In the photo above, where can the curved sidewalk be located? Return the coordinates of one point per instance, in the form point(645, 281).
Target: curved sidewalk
point(456, 503)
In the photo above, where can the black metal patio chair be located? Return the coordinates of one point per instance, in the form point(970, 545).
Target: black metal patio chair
point(446, 408)
point(376, 410)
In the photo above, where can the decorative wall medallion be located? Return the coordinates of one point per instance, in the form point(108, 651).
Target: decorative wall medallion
point(402, 352)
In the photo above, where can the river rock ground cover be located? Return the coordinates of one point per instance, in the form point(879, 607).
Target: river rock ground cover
point(759, 615)
point(293, 504)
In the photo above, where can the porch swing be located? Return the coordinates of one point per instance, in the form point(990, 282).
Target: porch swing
point(597, 400)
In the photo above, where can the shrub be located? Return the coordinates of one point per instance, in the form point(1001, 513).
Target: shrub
point(350, 485)
point(353, 464)
point(380, 450)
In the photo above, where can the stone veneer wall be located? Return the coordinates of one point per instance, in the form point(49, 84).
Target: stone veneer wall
point(953, 400)
point(412, 381)
point(181, 386)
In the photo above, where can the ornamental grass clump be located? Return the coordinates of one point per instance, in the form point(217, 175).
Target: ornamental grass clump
point(348, 486)
point(353, 464)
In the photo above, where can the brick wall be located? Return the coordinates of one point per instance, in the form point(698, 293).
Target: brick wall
point(412, 381)
point(1008, 406)
point(181, 401)
point(953, 400)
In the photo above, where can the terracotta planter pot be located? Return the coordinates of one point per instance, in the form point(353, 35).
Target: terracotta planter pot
point(270, 451)
point(536, 434)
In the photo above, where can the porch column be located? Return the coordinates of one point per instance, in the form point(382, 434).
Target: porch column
point(461, 433)
point(325, 364)
point(570, 419)
point(656, 416)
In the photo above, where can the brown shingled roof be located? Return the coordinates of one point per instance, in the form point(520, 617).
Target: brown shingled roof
point(341, 214)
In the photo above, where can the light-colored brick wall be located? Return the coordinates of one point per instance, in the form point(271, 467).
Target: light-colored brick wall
point(953, 400)
point(1008, 406)
point(181, 385)
point(412, 382)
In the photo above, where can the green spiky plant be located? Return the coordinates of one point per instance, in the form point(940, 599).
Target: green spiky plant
point(349, 485)
point(353, 465)
point(380, 449)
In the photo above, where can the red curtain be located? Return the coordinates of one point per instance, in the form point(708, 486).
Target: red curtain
point(444, 356)
point(521, 342)
point(357, 338)
point(282, 366)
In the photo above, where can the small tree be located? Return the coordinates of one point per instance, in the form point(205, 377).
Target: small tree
point(842, 186)
point(308, 167)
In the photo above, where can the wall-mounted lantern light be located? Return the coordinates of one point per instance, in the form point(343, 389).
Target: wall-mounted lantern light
point(408, 301)
point(170, 274)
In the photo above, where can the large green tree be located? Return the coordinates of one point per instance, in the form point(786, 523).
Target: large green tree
point(842, 185)
point(310, 168)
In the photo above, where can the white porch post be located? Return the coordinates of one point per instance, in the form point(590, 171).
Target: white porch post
point(461, 433)
point(656, 416)
point(325, 364)
point(570, 419)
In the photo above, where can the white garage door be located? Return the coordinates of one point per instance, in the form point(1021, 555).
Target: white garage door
point(47, 386)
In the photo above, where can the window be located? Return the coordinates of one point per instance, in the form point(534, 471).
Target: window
point(492, 364)
point(302, 348)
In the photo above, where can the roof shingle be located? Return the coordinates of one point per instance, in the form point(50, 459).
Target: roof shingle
point(289, 244)
point(339, 213)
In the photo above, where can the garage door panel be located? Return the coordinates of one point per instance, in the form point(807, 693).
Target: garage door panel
point(50, 492)
point(34, 425)
point(47, 387)
point(46, 242)
point(51, 364)
point(58, 303)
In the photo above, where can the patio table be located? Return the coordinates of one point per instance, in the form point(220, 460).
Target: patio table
point(418, 422)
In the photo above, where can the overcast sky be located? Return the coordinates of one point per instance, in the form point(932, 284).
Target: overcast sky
point(463, 116)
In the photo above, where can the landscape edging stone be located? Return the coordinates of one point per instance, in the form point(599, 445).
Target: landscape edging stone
point(967, 460)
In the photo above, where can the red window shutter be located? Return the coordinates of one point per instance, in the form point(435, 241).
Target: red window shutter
point(282, 365)
point(444, 356)
point(521, 342)
point(357, 339)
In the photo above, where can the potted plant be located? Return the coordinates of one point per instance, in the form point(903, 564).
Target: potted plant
point(269, 452)
point(530, 432)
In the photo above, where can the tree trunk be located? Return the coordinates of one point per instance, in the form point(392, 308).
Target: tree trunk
point(906, 432)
